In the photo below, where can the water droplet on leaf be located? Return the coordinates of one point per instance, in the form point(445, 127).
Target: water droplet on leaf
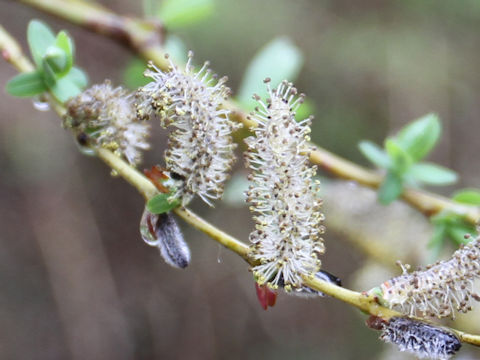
point(41, 104)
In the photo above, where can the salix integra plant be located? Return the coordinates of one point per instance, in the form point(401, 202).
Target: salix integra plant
point(283, 195)
point(286, 243)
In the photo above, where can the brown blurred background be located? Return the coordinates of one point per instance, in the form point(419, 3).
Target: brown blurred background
point(77, 281)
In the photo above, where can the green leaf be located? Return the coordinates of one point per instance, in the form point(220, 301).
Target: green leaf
point(374, 153)
point(279, 60)
point(160, 204)
point(401, 161)
point(27, 84)
point(133, 73)
point(78, 77)
point(65, 43)
point(67, 87)
point(56, 60)
point(53, 65)
point(419, 137)
point(433, 174)
point(457, 232)
point(179, 13)
point(40, 38)
point(467, 196)
point(390, 189)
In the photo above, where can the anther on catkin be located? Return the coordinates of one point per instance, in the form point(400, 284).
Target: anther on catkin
point(106, 116)
point(283, 195)
point(423, 340)
point(200, 148)
point(440, 289)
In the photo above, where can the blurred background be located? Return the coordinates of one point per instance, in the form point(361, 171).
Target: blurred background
point(78, 282)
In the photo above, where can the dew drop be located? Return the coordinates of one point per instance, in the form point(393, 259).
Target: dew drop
point(219, 254)
point(85, 150)
point(146, 228)
point(40, 104)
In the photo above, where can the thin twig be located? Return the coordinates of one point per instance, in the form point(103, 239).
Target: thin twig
point(143, 38)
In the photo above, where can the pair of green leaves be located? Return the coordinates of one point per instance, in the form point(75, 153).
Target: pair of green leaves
point(53, 57)
point(452, 226)
point(401, 158)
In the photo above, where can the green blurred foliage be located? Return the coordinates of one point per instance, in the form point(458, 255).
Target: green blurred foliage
point(401, 158)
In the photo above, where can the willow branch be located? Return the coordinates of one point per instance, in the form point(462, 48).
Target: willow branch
point(362, 301)
point(12, 53)
point(145, 39)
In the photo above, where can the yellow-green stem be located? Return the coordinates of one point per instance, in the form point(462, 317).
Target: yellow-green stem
point(148, 190)
point(131, 175)
point(12, 53)
point(218, 235)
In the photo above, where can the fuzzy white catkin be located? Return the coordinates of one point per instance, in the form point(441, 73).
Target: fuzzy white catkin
point(200, 148)
point(283, 195)
point(107, 115)
point(423, 340)
point(440, 289)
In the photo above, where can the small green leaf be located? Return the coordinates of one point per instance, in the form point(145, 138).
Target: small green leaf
point(374, 153)
point(467, 196)
point(49, 77)
point(66, 87)
point(78, 77)
point(160, 204)
point(56, 59)
point(390, 189)
point(433, 174)
point(457, 232)
point(53, 65)
point(64, 42)
point(279, 60)
point(180, 13)
point(27, 84)
point(419, 137)
point(447, 218)
point(40, 38)
point(401, 161)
